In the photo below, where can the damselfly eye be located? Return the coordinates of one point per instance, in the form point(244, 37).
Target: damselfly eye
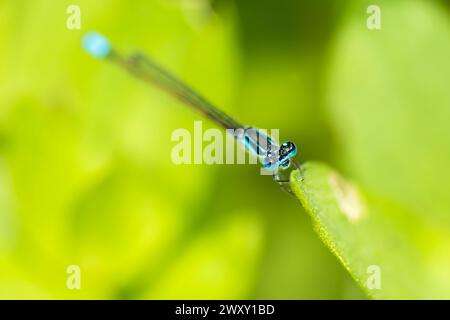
point(287, 150)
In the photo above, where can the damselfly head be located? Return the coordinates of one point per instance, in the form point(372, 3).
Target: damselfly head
point(286, 151)
point(280, 159)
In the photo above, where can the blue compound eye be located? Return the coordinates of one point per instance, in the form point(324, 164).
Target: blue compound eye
point(285, 153)
point(96, 45)
point(287, 150)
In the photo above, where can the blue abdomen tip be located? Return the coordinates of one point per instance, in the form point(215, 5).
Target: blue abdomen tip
point(96, 44)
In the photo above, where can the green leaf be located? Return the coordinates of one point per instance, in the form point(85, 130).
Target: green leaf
point(369, 234)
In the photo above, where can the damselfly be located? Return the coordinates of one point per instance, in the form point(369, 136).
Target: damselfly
point(275, 158)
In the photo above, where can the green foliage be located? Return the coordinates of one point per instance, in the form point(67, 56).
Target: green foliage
point(365, 231)
point(388, 105)
point(86, 176)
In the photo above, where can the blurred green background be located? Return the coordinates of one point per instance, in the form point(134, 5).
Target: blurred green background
point(86, 176)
